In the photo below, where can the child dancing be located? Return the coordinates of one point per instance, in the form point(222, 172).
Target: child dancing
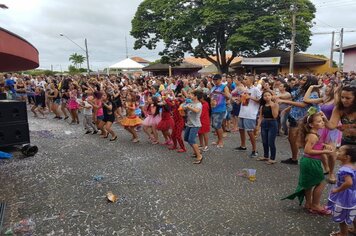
point(73, 105)
point(205, 124)
point(131, 120)
point(40, 102)
point(178, 126)
point(166, 124)
point(342, 198)
point(152, 119)
point(311, 177)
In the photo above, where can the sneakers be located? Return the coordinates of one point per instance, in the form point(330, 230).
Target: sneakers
point(254, 154)
point(88, 132)
point(241, 148)
point(290, 161)
point(95, 132)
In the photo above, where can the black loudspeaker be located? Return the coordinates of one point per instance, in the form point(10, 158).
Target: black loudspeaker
point(14, 134)
point(13, 111)
point(2, 96)
point(14, 128)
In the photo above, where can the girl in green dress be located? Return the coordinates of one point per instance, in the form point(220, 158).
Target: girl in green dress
point(311, 178)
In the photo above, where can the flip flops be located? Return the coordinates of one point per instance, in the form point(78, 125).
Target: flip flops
point(323, 212)
point(271, 162)
point(198, 161)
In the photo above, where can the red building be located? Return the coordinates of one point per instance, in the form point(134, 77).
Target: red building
point(16, 53)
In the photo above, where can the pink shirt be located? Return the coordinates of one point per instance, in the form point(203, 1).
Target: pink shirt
point(100, 111)
point(318, 146)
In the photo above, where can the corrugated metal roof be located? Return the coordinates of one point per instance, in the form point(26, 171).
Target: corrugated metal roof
point(300, 58)
point(353, 46)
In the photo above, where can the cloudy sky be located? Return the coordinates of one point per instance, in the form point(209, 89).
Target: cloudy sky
point(105, 24)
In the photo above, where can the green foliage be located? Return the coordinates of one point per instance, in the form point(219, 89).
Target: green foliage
point(207, 28)
point(155, 62)
point(321, 55)
point(335, 65)
point(40, 72)
point(73, 70)
point(77, 59)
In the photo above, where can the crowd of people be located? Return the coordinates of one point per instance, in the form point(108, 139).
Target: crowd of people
point(316, 112)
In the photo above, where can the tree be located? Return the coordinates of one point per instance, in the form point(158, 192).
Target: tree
point(155, 62)
point(72, 70)
point(77, 59)
point(206, 28)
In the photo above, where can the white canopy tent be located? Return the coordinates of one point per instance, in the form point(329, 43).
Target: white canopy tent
point(127, 64)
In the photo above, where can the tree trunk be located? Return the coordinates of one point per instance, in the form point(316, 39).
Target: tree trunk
point(225, 69)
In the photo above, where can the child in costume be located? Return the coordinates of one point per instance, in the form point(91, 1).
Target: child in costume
point(311, 177)
point(178, 125)
point(342, 198)
point(166, 124)
point(152, 119)
point(73, 105)
point(131, 120)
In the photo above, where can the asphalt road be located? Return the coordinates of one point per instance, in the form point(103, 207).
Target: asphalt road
point(160, 191)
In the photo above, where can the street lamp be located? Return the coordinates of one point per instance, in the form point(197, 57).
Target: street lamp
point(85, 50)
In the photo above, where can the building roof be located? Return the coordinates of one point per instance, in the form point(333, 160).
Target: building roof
point(299, 58)
point(16, 53)
point(212, 69)
point(204, 62)
point(346, 48)
point(139, 60)
point(160, 66)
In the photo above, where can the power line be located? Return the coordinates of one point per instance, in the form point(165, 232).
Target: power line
point(337, 5)
point(324, 23)
point(321, 33)
point(334, 3)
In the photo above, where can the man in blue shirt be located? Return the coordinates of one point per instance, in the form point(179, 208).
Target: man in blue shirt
point(10, 83)
point(218, 96)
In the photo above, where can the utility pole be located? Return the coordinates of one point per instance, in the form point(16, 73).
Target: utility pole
point(332, 48)
point(84, 50)
point(291, 58)
point(87, 54)
point(127, 51)
point(341, 45)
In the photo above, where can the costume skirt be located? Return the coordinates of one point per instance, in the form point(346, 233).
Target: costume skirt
point(72, 105)
point(166, 124)
point(131, 121)
point(310, 175)
point(151, 120)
